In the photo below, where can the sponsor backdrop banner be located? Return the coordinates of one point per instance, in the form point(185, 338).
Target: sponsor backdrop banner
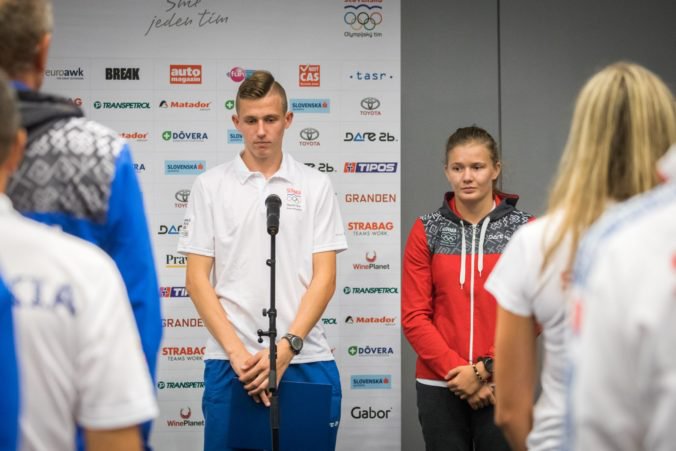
point(164, 74)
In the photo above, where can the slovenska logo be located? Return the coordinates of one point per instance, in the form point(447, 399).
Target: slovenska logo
point(370, 381)
point(173, 292)
point(185, 74)
point(309, 75)
point(184, 167)
point(235, 137)
point(183, 136)
point(310, 105)
point(370, 167)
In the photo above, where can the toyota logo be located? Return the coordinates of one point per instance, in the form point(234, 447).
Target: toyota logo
point(309, 134)
point(370, 103)
point(182, 195)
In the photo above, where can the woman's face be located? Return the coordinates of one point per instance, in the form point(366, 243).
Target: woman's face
point(471, 172)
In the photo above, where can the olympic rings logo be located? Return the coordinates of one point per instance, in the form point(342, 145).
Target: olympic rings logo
point(367, 21)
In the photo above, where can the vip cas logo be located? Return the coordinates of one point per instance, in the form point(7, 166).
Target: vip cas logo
point(309, 75)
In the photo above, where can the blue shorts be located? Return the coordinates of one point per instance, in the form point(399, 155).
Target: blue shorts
point(219, 377)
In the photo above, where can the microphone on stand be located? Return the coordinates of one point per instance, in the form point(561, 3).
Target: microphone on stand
point(273, 202)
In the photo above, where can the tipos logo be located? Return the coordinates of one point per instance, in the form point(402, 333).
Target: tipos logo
point(185, 413)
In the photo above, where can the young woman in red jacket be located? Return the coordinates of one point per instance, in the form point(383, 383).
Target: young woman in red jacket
point(447, 316)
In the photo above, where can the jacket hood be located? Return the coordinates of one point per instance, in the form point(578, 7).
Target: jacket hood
point(39, 110)
point(507, 203)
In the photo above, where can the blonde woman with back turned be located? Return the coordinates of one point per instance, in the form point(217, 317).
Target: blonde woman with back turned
point(624, 121)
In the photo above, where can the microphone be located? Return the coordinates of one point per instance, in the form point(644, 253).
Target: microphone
point(273, 202)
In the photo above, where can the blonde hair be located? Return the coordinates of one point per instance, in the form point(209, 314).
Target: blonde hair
point(624, 121)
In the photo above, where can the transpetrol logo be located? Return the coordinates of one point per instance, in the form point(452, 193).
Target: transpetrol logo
point(309, 75)
point(370, 167)
point(322, 106)
point(121, 105)
point(180, 385)
point(370, 290)
point(184, 167)
point(370, 381)
point(185, 74)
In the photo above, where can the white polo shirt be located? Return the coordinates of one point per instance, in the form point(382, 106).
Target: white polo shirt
point(226, 219)
point(79, 353)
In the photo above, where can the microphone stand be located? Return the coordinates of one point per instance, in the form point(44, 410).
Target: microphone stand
point(271, 313)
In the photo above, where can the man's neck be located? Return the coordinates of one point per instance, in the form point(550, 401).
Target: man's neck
point(267, 167)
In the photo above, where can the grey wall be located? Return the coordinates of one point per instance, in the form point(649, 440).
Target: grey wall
point(513, 68)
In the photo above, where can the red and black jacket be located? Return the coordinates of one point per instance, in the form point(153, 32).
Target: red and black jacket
point(447, 315)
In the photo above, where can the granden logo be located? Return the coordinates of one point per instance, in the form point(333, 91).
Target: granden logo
point(370, 290)
point(66, 74)
point(370, 263)
point(370, 167)
point(308, 75)
point(370, 381)
point(371, 198)
point(185, 74)
point(370, 351)
point(182, 322)
point(122, 73)
point(383, 137)
point(370, 107)
point(370, 414)
point(173, 292)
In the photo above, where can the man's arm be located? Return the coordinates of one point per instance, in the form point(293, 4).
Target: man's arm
point(125, 439)
point(514, 376)
point(312, 306)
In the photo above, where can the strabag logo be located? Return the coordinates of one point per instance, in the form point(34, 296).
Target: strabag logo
point(183, 353)
point(123, 73)
point(378, 320)
point(121, 105)
point(309, 75)
point(370, 381)
point(66, 74)
point(370, 263)
point(173, 292)
point(185, 421)
point(184, 167)
point(370, 228)
point(362, 19)
point(370, 107)
point(179, 385)
point(383, 137)
point(185, 137)
point(370, 167)
point(185, 74)
point(370, 290)
point(370, 351)
point(322, 106)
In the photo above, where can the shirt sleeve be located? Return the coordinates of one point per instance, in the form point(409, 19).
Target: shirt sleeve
point(9, 394)
point(109, 397)
point(329, 234)
point(197, 233)
point(512, 282)
point(417, 306)
point(127, 241)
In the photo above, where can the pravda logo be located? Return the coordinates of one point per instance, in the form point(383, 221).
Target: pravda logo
point(309, 75)
point(175, 261)
point(123, 73)
point(185, 74)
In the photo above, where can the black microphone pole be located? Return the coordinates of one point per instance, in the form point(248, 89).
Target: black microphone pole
point(273, 203)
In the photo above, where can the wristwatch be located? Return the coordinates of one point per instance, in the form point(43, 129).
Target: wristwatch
point(295, 342)
point(488, 363)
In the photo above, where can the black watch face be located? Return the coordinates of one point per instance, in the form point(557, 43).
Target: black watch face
point(488, 364)
point(296, 343)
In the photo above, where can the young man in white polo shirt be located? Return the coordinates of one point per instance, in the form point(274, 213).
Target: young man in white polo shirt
point(80, 356)
point(225, 231)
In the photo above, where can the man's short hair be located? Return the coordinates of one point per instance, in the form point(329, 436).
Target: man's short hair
point(9, 116)
point(23, 24)
point(257, 86)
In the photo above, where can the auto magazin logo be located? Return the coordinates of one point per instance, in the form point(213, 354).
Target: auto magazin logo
point(309, 137)
point(173, 292)
point(370, 381)
point(370, 107)
point(322, 106)
point(370, 263)
point(362, 19)
point(370, 290)
point(370, 351)
point(309, 75)
point(185, 74)
point(370, 167)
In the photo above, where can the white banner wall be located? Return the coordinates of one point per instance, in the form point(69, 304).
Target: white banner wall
point(164, 74)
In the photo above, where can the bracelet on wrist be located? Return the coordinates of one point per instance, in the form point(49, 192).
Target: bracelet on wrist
point(478, 376)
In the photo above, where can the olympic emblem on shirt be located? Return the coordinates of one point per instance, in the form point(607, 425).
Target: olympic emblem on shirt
point(294, 199)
